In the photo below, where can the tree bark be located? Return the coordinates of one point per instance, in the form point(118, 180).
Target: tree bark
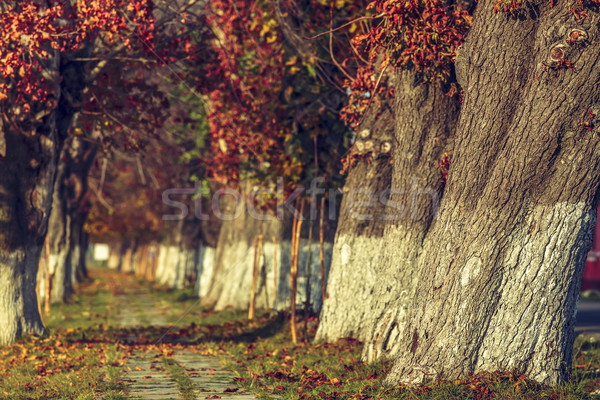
point(178, 255)
point(386, 213)
point(232, 274)
point(66, 234)
point(358, 240)
point(59, 232)
point(231, 279)
point(83, 154)
point(425, 120)
point(79, 246)
point(25, 199)
point(501, 266)
point(28, 165)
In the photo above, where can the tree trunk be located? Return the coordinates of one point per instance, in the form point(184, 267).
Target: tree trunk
point(81, 159)
point(179, 255)
point(384, 219)
point(359, 238)
point(425, 119)
point(25, 198)
point(114, 258)
point(190, 248)
point(205, 269)
point(347, 308)
point(68, 241)
point(128, 261)
point(231, 281)
point(79, 246)
point(28, 161)
point(59, 233)
point(232, 274)
point(501, 266)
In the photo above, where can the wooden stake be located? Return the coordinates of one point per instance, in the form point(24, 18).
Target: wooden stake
point(308, 272)
point(275, 283)
point(297, 228)
point(322, 248)
point(257, 251)
point(48, 279)
point(154, 267)
point(292, 276)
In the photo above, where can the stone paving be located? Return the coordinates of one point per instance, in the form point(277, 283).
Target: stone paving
point(209, 378)
point(148, 380)
point(146, 376)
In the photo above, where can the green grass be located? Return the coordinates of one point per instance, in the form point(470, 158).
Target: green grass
point(84, 356)
point(51, 369)
point(178, 373)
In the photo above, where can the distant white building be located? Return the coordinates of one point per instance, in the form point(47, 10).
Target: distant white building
point(101, 252)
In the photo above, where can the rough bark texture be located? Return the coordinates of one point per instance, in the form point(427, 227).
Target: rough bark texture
point(425, 121)
point(381, 230)
point(501, 266)
point(231, 281)
point(232, 276)
point(28, 166)
point(359, 238)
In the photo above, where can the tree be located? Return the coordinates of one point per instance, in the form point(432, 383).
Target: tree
point(381, 235)
point(285, 99)
point(50, 59)
point(498, 272)
point(125, 106)
point(34, 125)
point(67, 218)
point(377, 245)
point(516, 220)
point(347, 310)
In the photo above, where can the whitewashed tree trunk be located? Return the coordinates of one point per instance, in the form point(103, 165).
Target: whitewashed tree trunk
point(387, 209)
point(161, 264)
point(501, 267)
point(59, 234)
point(128, 257)
point(178, 256)
point(204, 274)
point(232, 276)
point(347, 311)
point(425, 119)
point(231, 283)
point(19, 313)
point(28, 160)
point(114, 259)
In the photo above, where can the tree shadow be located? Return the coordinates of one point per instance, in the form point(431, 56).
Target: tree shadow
point(192, 335)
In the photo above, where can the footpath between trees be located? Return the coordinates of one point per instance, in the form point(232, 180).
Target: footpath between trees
point(122, 338)
point(180, 374)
